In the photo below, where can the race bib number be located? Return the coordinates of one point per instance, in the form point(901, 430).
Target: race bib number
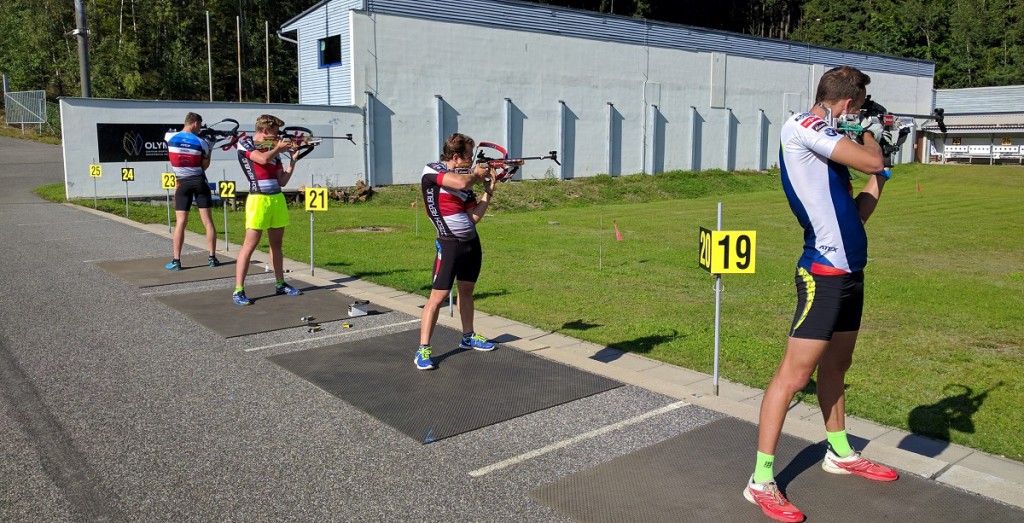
point(316, 198)
point(168, 181)
point(127, 174)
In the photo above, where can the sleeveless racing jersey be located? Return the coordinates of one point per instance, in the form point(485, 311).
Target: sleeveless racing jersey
point(821, 196)
point(186, 152)
point(447, 208)
point(262, 178)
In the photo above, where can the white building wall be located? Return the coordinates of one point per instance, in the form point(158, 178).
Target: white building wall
point(404, 62)
point(325, 85)
point(334, 163)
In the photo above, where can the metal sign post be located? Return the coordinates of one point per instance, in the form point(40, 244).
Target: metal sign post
point(95, 171)
point(127, 175)
point(316, 201)
point(168, 181)
point(225, 188)
point(725, 252)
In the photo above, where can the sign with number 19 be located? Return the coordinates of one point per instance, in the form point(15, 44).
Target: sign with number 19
point(727, 252)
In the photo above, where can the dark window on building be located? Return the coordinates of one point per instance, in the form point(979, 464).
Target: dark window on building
point(330, 51)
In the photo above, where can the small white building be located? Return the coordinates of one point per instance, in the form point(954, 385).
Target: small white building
point(983, 125)
point(611, 94)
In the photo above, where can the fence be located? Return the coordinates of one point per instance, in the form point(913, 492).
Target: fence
point(26, 107)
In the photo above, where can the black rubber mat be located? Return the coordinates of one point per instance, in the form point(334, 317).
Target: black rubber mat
point(150, 272)
point(700, 476)
point(216, 311)
point(468, 389)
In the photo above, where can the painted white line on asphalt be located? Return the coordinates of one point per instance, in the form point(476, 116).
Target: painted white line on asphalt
point(91, 237)
point(346, 333)
point(576, 439)
point(61, 223)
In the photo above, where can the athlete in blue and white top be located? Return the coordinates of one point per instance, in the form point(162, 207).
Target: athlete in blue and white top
point(190, 157)
point(816, 160)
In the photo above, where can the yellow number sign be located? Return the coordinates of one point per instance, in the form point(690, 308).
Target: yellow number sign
point(227, 189)
point(95, 170)
point(316, 198)
point(727, 252)
point(127, 174)
point(167, 181)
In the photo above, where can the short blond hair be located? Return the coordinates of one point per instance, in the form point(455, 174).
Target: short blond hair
point(266, 121)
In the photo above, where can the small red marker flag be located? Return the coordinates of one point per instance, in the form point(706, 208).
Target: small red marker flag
point(412, 204)
point(618, 235)
point(918, 186)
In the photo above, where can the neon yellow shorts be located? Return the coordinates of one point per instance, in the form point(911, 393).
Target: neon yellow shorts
point(266, 211)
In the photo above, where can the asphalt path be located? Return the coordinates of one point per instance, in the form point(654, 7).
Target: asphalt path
point(114, 407)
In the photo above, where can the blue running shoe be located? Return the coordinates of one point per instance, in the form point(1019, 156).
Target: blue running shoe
point(423, 361)
point(173, 265)
point(240, 299)
point(286, 289)
point(476, 342)
point(214, 262)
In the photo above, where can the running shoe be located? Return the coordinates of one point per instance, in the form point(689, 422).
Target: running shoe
point(214, 262)
point(774, 505)
point(286, 289)
point(423, 361)
point(476, 342)
point(173, 265)
point(858, 466)
point(240, 299)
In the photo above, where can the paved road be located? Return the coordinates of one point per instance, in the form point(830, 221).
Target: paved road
point(114, 407)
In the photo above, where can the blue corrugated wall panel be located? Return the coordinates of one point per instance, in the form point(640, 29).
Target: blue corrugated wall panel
point(508, 14)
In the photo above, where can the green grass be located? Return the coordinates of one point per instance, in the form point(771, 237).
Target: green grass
point(940, 351)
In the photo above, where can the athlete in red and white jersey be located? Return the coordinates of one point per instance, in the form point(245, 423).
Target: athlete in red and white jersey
point(190, 157)
point(454, 210)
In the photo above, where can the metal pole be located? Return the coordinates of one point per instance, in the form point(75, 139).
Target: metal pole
point(82, 32)
point(267, 33)
point(238, 32)
point(126, 198)
point(95, 198)
point(718, 307)
point(169, 229)
point(311, 213)
point(209, 55)
point(451, 302)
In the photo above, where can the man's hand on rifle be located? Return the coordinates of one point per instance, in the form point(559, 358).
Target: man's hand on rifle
point(871, 125)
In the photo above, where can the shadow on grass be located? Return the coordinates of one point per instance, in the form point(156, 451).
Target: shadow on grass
point(934, 421)
point(643, 344)
point(579, 325)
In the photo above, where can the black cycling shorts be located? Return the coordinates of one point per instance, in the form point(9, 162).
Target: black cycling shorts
point(193, 186)
point(457, 260)
point(827, 304)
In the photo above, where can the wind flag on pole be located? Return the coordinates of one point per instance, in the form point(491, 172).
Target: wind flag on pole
point(618, 235)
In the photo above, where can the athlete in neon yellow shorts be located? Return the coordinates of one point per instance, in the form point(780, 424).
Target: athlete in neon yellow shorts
point(265, 207)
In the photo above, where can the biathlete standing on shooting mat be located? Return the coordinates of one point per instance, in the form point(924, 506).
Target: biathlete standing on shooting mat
point(815, 160)
point(190, 157)
point(265, 206)
point(453, 208)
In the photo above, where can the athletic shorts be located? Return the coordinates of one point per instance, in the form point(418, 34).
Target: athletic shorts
point(457, 261)
point(265, 211)
point(827, 304)
point(193, 186)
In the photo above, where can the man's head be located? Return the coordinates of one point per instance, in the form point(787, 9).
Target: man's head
point(268, 124)
point(458, 145)
point(843, 89)
point(193, 122)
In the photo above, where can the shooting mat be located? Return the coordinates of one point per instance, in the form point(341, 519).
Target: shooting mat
point(214, 309)
point(699, 476)
point(150, 272)
point(468, 389)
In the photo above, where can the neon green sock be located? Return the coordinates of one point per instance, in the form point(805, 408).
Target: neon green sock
point(840, 445)
point(763, 469)
point(239, 288)
point(280, 283)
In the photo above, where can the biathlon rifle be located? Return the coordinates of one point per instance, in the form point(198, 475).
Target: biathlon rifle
point(850, 124)
point(508, 166)
point(304, 139)
point(224, 138)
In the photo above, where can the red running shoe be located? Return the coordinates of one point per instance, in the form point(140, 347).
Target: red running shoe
point(858, 466)
point(774, 505)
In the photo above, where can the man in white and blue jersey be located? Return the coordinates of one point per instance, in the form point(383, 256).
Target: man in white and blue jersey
point(816, 159)
point(190, 157)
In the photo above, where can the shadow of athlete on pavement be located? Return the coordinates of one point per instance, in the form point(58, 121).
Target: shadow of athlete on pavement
point(954, 412)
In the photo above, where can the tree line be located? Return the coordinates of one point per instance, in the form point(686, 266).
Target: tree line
point(157, 49)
